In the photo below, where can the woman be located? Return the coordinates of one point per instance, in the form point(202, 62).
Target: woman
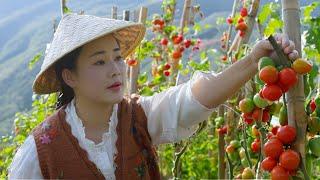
point(97, 132)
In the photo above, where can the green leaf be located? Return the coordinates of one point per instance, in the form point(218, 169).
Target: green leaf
point(142, 78)
point(34, 60)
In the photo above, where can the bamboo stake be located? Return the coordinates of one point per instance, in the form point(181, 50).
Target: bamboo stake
point(233, 13)
point(114, 12)
point(125, 17)
point(63, 6)
point(184, 21)
point(297, 116)
point(185, 15)
point(134, 71)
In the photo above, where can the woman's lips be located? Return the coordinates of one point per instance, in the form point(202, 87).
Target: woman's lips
point(115, 86)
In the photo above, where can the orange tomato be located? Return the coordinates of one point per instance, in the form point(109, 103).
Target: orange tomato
point(268, 74)
point(301, 66)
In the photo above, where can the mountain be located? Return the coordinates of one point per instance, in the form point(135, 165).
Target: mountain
point(26, 26)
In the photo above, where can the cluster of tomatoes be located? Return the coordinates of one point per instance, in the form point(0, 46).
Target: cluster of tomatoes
point(241, 25)
point(255, 108)
point(281, 161)
point(279, 82)
point(221, 128)
point(173, 43)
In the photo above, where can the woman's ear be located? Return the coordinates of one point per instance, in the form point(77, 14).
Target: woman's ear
point(69, 77)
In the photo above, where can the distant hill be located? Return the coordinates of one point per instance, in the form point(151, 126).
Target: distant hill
point(26, 26)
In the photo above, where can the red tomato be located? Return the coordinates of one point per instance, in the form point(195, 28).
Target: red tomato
point(132, 62)
point(164, 41)
point(289, 160)
point(166, 73)
point(265, 116)
point(268, 164)
point(288, 77)
point(244, 12)
point(229, 20)
point(187, 43)
point(286, 134)
point(224, 58)
point(230, 149)
point(274, 130)
point(247, 117)
point(313, 105)
point(279, 173)
point(270, 135)
point(255, 145)
point(241, 26)
point(284, 88)
point(176, 54)
point(177, 39)
point(256, 113)
point(268, 74)
point(273, 148)
point(240, 20)
point(271, 92)
point(242, 33)
point(167, 66)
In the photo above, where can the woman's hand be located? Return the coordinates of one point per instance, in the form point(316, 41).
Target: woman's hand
point(264, 48)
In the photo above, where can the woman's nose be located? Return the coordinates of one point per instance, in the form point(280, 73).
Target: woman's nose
point(115, 70)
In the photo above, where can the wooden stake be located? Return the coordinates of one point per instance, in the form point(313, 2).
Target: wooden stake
point(297, 116)
point(185, 15)
point(183, 22)
point(63, 6)
point(134, 71)
point(250, 20)
point(114, 12)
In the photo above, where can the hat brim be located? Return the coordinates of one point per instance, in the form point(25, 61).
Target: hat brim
point(129, 37)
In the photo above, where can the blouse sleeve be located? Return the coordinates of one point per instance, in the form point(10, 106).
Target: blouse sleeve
point(25, 164)
point(174, 114)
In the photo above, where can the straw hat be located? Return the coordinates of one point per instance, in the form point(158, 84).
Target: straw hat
point(75, 30)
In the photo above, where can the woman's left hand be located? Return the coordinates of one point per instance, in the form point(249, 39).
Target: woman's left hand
point(264, 48)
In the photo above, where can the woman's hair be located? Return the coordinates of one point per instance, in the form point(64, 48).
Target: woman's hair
point(69, 62)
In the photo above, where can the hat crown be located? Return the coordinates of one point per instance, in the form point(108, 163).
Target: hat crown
point(75, 29)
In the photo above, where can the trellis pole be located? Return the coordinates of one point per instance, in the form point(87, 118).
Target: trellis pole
point(295, 97)
point(134, 70)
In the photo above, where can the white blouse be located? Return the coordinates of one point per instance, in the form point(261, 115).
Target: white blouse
point(172, 116)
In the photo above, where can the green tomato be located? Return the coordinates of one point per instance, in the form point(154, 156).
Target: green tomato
point(234, 156)
point(242, 153)
point(314, 145)
point(275, 108)
point(259, 101)
point(248, 173)
point(314, 124)
point(265, 61)
point(283, 116)
point(244, 162)
point(219, 121)
point(235, 143)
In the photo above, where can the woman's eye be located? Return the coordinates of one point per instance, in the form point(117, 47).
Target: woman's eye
point(119, 58)
point(100, 62)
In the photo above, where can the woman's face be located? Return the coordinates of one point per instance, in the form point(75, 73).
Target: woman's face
point(98, 67)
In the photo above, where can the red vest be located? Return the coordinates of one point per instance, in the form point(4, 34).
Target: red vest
point(60, 155)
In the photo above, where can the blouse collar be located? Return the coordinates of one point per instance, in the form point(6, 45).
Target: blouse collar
point(76, 123)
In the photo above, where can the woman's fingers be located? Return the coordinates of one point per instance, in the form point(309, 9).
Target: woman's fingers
point(293, 55)
point(289, 48)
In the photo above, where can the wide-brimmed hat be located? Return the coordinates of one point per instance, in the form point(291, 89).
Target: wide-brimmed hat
point(75, 30)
